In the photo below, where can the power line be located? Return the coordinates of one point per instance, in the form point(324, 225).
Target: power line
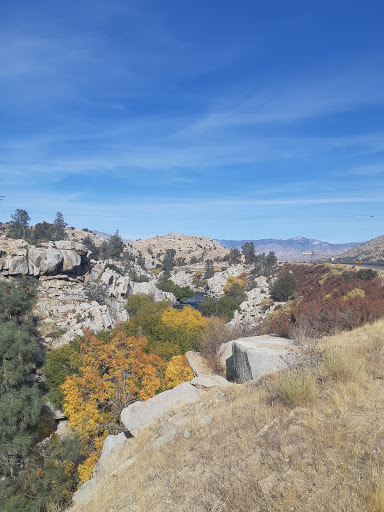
point(213, 218)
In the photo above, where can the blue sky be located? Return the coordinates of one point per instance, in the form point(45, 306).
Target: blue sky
point(218, 118)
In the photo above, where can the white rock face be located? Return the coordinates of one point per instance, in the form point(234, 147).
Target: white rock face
point(141, 415)
point(182, 278)
point(253, 309)
point(258, 355)
point(218, 281)
point(65, 310)
point(50, 258)
point(151, 289)
point(197, 363)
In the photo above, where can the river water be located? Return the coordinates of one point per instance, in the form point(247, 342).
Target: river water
point(194, 302)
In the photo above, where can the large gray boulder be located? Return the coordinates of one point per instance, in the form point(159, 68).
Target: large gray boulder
point(45, 260)
point(141, 415)
point(15, 263)
point(259, 355)
point(197, 363)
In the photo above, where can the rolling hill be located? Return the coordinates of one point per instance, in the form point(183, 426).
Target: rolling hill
point(369, 252)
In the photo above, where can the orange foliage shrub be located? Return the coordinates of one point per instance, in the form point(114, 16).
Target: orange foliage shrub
point(112, 375)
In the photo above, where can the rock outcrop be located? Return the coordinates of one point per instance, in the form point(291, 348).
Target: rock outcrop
point(216, 283)
point(197, 363)
point(141, 415)
point(249, 358)
point(257, 305)
point(151, 289)
point(17, 257)
point(182, 278)
point(75, 292)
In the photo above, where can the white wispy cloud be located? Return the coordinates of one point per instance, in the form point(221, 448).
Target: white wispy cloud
point(299, 98)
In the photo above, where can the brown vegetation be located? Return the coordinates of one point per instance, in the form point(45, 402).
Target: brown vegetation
point(330, 300)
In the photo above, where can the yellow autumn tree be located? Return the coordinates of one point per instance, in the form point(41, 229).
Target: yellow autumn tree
point(177, 372)
point(183, 328)
point(188, 318)
point(112, 375)
point(233, 281)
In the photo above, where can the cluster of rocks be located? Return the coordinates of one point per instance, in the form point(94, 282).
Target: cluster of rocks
point(256, 306)
point(65, 310)
point(182, 278)
point(216, 283)
point(48, 259)
point(66, 272)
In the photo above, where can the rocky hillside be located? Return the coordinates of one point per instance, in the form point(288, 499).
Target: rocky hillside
point(291, 249)
point(187, 247)
point(292, 440)
point(369, 252)
point(76, 292)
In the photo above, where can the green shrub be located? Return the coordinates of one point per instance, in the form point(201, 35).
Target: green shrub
point(137, 302)
point(366, 274)
point(96, 291)
point(48, 480)
point(181, 293)
point(284, 288)
point(60, 363)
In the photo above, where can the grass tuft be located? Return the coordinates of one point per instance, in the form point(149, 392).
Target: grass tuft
point(343, 364)
point(295, 388)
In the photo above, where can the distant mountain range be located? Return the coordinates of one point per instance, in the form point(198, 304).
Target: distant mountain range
point(368, 252)
point(292, 249)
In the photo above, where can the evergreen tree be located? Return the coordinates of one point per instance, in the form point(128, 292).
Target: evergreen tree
point(42, 232)
point(59, 227)
point(248, 250)
point(113, 248)
point(284, 288)
point(271, 262)
point(209, 269)
point(234, 256)
point(116, 245)
point(47, 481)
point(90, 245)
point(20, 397)
point(18, 226)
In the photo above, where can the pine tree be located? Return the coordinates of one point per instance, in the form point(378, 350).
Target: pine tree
point(59, 227)
point(20, 397)
point(18, 226)
point(248, 249)
point(209, 269)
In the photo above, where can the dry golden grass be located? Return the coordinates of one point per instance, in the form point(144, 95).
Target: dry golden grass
point(247, 450)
